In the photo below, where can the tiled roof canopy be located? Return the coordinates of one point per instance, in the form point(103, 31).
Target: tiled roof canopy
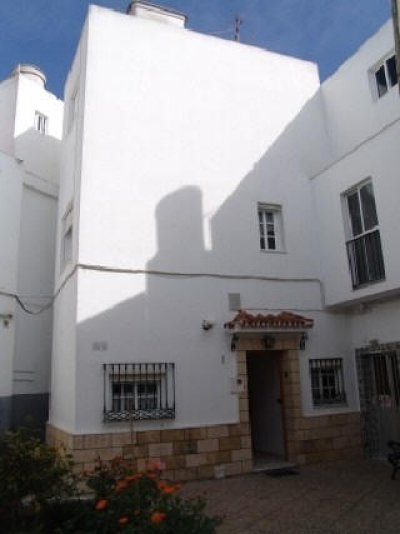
point(283, 320)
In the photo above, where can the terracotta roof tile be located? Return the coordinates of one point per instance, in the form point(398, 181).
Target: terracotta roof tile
point(243, 319)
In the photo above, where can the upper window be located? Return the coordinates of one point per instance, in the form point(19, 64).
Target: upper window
point(270, 227)
point(139, 391)
point(41, 122)
point(364, 248)
point(385, 76)
point(327, 384)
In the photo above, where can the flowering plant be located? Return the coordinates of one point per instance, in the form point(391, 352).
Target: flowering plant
point(142, 502)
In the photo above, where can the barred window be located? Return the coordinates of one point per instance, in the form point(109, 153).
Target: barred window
point(139, 391)
point(327, 384)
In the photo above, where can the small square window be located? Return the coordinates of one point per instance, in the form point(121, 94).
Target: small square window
point(41, 122)
point(327, 384)
point(270, 227)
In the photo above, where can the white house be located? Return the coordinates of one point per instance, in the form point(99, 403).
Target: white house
point(30, 136)
point(227, 272)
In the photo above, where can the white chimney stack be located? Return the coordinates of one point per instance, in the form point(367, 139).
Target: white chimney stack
point(32, 72)
point(146, 10)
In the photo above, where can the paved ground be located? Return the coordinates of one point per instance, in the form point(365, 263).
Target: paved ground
point(337, 497)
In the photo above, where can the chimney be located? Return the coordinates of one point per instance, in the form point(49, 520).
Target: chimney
point(146, 10)
point(32, 72)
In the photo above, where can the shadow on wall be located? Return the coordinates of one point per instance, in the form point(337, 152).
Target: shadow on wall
point(40, 153)
point(162, 323)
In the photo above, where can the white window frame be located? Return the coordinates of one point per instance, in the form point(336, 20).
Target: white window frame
point(134, 398)
point(323, 393)
point(364, 249)
point(373, 72)
point(41, 122)
point(348, 226)
point(269, 219)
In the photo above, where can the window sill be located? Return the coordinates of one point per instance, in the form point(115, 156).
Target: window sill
point(330, 405)
point(138, 415)
point(368, 284)
point(273, 251)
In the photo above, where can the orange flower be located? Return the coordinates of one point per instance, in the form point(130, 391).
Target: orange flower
point(123, 520)
point(157, 517)
point(169, 490)
point(121, 485)
point(101, 504)
point(162, 485)
point(131, 478)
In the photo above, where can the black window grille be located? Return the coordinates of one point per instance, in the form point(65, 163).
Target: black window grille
point(327, 384)
point(136, 391)
point(366, 259)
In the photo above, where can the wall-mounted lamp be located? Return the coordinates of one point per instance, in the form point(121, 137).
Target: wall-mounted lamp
point(234, 340)
point(303, 339)
point(207, 324)
point(268, 342)
point(6, 317)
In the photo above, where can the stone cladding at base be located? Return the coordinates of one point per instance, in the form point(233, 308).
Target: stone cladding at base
point(186, 454)
point(225, 450)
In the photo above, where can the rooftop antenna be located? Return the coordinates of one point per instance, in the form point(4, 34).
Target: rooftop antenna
point(238, 23)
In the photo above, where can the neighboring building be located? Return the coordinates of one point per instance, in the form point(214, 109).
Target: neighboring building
point(30, 134)
point(227, 271)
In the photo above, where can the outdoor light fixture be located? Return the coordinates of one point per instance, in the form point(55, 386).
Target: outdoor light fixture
point(303, 339)
point(268, 342)
point(234, 340)
point(6, 317)
point(207, 324)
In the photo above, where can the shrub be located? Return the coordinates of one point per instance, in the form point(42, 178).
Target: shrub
point(31, 474)
point(38, 494)
point(142, 503)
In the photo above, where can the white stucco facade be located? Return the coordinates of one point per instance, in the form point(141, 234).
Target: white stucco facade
point(176, 147)
point(29, 191)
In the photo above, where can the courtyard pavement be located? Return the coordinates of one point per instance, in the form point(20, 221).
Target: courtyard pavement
point(336, 497)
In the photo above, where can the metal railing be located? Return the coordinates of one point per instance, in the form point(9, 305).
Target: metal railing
point(327, 383)
point(366, 259)
point(137, 391)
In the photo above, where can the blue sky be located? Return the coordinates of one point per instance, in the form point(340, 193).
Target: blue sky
point(46, 32)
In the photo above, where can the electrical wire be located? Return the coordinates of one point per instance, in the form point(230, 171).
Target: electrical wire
point(151, 272)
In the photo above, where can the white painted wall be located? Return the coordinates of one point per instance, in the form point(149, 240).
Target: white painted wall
point(376, 321)
point(63, 369)
point(8, 95)
point(35, 284)
point(63, 398)
point(353, 113)
point(10, 197)
point(39, 152)
point(28, 199)
point(172, 84)
point(379, 160)
point(176, 139)
point(142, 196)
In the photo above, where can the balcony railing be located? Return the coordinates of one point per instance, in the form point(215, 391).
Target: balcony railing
point(136, 391)
point(366, 259)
